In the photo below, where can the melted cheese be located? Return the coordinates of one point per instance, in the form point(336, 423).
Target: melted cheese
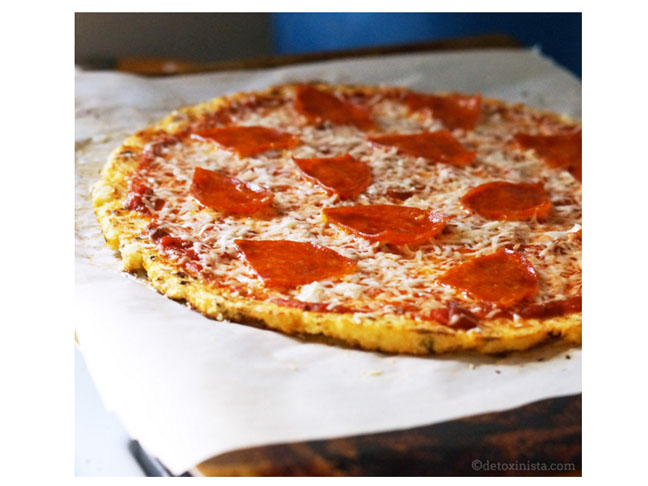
point(385, 280)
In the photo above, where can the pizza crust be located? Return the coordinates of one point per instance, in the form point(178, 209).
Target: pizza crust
point(123, 228)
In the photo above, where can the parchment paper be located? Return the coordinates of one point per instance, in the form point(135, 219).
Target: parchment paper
point(188, 387)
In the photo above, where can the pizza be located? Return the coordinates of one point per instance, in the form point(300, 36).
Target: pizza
point(375, 217)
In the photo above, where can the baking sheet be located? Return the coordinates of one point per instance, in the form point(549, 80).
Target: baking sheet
point(188, 387)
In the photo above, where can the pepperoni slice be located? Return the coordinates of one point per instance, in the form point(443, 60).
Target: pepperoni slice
point(283, 263)
point(507, 201)
point(438, 146)
point(502, 278)
point(398, 194)
point(398, 225)
point(246, 141)
point(454, 110)
point(317, 105)
point(564, 150)
point(228, 194)
point(344, 175)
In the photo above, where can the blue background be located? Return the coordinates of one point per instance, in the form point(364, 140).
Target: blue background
point(557, 34)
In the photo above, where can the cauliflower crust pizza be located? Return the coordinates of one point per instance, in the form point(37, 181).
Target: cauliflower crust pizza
point(378, 217)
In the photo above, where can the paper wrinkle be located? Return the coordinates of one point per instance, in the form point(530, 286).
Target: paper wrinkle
point(188, 387)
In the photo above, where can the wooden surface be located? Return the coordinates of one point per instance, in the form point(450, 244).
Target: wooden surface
point(540, 439)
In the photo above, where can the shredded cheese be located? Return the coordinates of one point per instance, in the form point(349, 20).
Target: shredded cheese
point(386, 279)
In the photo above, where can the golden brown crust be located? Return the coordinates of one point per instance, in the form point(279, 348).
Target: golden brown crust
point(123, 230)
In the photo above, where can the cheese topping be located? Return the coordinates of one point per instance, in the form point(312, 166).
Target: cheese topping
point(387, 280)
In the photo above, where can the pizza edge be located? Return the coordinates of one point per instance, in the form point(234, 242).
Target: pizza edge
point(391, 333)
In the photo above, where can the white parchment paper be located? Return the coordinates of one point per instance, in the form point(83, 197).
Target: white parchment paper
point(188, 387)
